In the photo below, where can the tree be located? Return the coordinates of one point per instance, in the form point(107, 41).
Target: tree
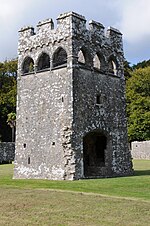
point(8, 74)
point(143, 64)
point(138, 104)
point(127, 70)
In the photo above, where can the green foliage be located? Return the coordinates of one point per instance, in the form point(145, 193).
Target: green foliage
point(11, 120)
point(127, 69)
point(8, 74)
point(120, 186)
point(138, 104)
point(138, 98)
point(142, 64)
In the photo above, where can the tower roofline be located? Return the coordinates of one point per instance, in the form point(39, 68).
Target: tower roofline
point(63, 15)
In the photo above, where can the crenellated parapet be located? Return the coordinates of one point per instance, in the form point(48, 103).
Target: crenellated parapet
point(74, 37)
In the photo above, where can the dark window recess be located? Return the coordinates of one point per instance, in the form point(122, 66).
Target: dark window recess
point(44, 62)
point(62, 99)
point(28, 65)
point(53, 143)
point(60, 57)
point(24, 145)
point(98, 99)
point(29, 160)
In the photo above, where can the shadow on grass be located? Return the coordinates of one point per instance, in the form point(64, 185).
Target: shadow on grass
point(141, 172)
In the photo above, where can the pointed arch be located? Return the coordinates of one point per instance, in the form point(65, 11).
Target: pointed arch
point(112, 65)
point(81, 57)
point(59, 57)
point(84, 57)
point(28, 65)
point(96, 62)
point(43, 62)
point(99, 61)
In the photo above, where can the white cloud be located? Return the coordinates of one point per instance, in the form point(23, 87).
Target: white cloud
point(135, 19)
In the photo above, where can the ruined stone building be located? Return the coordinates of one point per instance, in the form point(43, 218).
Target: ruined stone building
point(71, 121)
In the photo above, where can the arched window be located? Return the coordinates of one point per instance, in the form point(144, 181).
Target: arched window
point(28, 65)
point(96, 62)
point(84, 57)
point(59, 57)
point(112, 66)
point(43, 62)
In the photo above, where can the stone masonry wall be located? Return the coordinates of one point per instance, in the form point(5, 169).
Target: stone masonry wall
point(7, 152)
point(140, 150)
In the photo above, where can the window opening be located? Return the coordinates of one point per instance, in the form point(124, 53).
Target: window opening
point(44, 62)
point(29, 160)
point(81, 57)
point(112, 67)
point(28, 65)
point(98, 99)
point(60, 57)
point(96, 62)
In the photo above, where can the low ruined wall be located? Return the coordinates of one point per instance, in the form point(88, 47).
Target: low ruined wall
point(140, 150)
point(7, 152)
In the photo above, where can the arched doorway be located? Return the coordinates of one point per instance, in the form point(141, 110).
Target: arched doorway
point(94, 150)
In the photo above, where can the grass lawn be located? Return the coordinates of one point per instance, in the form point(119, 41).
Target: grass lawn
point(121, 201)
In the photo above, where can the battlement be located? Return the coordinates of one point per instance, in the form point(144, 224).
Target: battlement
point(72, 14)
point(90, 45)
point(27, 31)
point(73, 21)
point(47, 24)
point(93, 25)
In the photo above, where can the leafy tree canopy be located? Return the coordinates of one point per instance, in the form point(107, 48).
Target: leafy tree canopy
point(138, 104)
point(8, 74)
point(143, 64)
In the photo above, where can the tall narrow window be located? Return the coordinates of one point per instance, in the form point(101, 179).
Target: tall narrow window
point(98, 99)
point(29, 160)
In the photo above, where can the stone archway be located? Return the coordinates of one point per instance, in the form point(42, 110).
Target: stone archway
point(94, 151)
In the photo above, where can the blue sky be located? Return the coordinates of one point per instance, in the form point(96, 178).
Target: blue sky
point(131, 17)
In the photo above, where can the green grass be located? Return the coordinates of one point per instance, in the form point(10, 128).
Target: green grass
point(121, 201)
point(122, 187)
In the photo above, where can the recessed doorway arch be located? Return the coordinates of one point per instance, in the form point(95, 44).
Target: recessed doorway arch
point(94, 152)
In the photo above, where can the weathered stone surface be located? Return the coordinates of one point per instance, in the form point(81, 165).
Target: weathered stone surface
point(7, 152)
point(140, 150)
point(79, 94)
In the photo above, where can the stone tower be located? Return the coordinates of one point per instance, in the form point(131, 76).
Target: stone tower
point(71, 121)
